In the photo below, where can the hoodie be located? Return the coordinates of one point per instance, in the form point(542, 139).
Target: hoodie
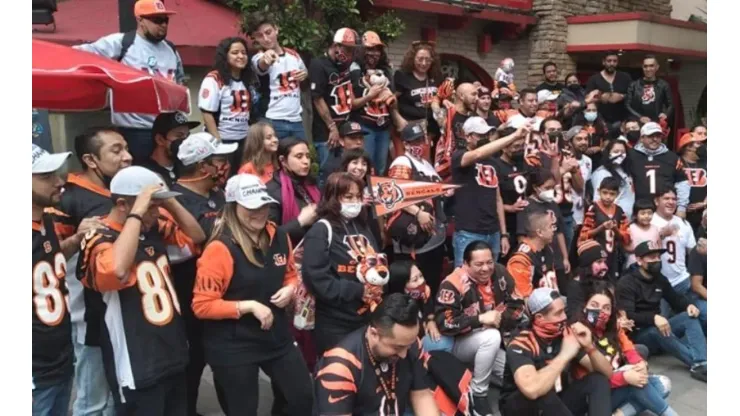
point(669, 172)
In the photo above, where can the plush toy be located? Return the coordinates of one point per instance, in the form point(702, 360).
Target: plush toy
point(371, 269)
point(504, 79)
point(377, 77)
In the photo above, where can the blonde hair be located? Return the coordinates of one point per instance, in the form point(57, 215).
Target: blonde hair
point(254, 148)
point(230, 221)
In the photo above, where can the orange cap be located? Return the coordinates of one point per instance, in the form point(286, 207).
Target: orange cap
point(689, 138)
point(144, 8)
point(371, 39)
point(345, 36)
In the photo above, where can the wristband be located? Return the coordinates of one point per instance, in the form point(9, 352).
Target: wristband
point(135, 216)
point(504, 235)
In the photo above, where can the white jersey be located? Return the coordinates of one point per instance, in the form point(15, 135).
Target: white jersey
point(231, 104)
point(586, 166)
point(157, 59)
point(282, 92)
point(674, 260)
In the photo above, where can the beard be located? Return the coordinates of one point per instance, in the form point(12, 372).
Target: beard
point(44, 201)
point(153, 38)
point(610, 69)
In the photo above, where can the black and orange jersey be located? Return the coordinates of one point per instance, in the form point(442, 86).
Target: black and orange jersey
point(143, 332)
point(512, 179)
point(332, 83)
point(652, 173)
point(346, 382)
point(531, 269)
point(51, 328)
point(610, 240)
point(552, 209)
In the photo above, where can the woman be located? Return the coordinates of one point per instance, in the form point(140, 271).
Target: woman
point(701, 131)
point(696, 173)
point(407, 278)
point(416, 88)
point(571, 100)
point(594, 124)
point(357, 163)
point(339, 250)
point(633, 388)
point(260, 152)
point(616, 164)
point(224, 97)
point(245, 278)
point(294, 188)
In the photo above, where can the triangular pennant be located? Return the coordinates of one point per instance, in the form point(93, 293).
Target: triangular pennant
point(390, 194)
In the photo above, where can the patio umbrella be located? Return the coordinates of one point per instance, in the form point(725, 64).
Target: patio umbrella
point(66, 79)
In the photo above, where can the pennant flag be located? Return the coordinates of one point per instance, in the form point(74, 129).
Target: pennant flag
point(393, 194)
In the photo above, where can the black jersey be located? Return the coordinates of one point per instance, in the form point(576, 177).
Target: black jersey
point(531, 269)
point(512, 182)
point(614, 240)
point(51, 348)
point(334, 84)
point(653, 173)
point(477, 200)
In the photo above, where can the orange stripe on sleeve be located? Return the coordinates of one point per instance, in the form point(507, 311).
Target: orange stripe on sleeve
point(102, 270)
point(345, 355)
point(291, 273)
point(624, 231)
point(339, 385)
point(337, 369)
point(520, 268)
point(214, 273)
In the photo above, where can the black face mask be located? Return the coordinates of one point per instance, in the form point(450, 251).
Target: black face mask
point(592, 315)
point(654, 268)
point(517, 156)
point(633, 136)
point(574, 87)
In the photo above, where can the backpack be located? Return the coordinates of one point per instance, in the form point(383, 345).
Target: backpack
point(304, 307)
point(128, 40)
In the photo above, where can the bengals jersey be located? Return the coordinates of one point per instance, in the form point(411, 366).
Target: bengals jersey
point(512, 179)
point(278, 87)
point(346, 382)
point(51, 348)
point(230, 103)
point(653, 173)
point(532, 269)
point(477, 200)
point(610, 240)
point(143, 333)
point(552, 210)
point(334, 84)
point(374, 114)
point(696, 174)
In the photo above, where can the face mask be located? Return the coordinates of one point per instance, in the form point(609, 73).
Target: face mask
point(597, 319)
point(617, 158)
point(654, 268)
point(420, 292)
point(547, 196)
point(632, 136)
point(416, 151)
point(548, 330)
point(351, 210)
point(590, 116)
point(517, 156)
point(574, 87)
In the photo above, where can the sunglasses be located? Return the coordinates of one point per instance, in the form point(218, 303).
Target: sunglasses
point(158, 20)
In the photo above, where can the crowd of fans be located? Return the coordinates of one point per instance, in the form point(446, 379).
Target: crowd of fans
point(573, 249)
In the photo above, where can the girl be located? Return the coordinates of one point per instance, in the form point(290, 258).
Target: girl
point(357, 163)
point(260, 152)
point(641, 228)
point(245, 278)
point(615, 163)
point(224, 97)
point(633, 389)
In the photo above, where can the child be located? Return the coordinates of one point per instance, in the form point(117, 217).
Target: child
point(407, 278)
point(260, 152)
point(357, 163)
point(606, 222)
point(641, 228)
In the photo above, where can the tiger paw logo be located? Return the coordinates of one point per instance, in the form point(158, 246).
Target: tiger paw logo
point(389, 194)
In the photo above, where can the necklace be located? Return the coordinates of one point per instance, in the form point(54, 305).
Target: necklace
point(388, 391)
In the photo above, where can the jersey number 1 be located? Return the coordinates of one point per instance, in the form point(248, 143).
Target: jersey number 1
point(157, 294)
point(650, 173)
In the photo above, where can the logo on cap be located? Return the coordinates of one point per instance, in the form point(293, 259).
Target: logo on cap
point(355, 126)
point(36, 153)
point(653, 246)
point(181, 118)
point(159, 6)
point(416, 129)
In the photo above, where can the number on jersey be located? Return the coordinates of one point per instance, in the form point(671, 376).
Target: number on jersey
point(520, 185)
point(342, 94)
point(671, 247)
point(48, 300)
point(157, 294)
point(651, 174)
point(609, 236)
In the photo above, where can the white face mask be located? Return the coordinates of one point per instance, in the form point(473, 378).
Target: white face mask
point(617, 158)
point(590, 116)
point(351, 210)
point(547, 196)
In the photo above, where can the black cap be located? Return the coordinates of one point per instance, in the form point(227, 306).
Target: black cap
point(648, 247)
point(350, 128)
point(168, 121)
point(412, 131)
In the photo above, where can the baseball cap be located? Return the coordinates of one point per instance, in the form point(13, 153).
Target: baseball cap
point(144, 8)
point(346, 36)
point(476, 125)
point(371, 39)
point(689, 138)
point(45, 162)
point(546, 95)
point(572, 132)
point(541, 298)
point(248, 191)
point(648, 247)
point(168, 121)
point(349, 128)
point(589, 252)
point(650, 128)
point(200, 146)
point(132, 180)
point(412, 131)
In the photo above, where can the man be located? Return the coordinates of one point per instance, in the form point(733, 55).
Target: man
point(592, 266)
point(550, 83)
point(613, 86)
point(148, 50)
point(649, 98)
point(479, 210)
point(145, 348)
point(527, 112)
point(512, 179)
point(639, 294)
point(467, 310)
point(331, 91)
point(483, 107)
point(575, 170)
point(546, 103)
point(655, 167)
point(102, 152)
point(351, 137)
point(281, 72)
point(202, 164)
point(466, 99)
point(167, 128)
point(533, 265)
point(630, 132)
point(538, 362)
point(51, 352)
point(377, 369)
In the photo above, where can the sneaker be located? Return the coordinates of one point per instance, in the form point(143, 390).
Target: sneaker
point(699, 372)
point(481, 407)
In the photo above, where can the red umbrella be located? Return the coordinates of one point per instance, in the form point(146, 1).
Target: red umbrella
point(67, 79)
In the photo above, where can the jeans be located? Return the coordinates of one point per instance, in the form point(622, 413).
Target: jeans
point(445, 343)
point(589, 395)
point(686, 341)
point(93, 394)
point(140, 143)
point(461, 239)
point(633, 400)
point(284, 129)
point(568, 230)
point(52, 400)
point(684, 288)
point(377, 144)
point(322, 152)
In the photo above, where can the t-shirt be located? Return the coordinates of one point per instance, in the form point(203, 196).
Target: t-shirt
point(278, 87)
point(638, 236)
point(678, 244)
point(167, 174)
point(373, 114)
point(415, 99)
point(698, 265)
point(458, 120)
point(476, 201)
point(556, 88)
point(229, 102)
point(696, 174)
point(347, 383)
point(512, 181)
point(334, 85)
point(586, 166)
point(611, 112)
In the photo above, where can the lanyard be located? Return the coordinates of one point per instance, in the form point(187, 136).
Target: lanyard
point(389, 391)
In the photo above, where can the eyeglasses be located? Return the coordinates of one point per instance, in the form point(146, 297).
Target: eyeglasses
point(158, 20)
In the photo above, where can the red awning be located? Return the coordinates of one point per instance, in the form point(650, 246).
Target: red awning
point(196, 29)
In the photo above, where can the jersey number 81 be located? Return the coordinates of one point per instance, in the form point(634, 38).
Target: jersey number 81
point(157, 294)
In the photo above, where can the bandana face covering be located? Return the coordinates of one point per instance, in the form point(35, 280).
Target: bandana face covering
point(549, 330)
point(420, 292)
point(597, 319)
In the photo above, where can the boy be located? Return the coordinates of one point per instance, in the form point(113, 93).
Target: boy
point(606, 223)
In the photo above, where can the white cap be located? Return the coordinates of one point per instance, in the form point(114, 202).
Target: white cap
point(347, 37)
point(476, 125)
point(546, 95)
point(248, 191)
point(199, 146)
point(45, 162)
point(650, 128)
point(132, 180)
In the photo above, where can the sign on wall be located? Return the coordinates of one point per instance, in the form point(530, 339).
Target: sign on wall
point(41, 131)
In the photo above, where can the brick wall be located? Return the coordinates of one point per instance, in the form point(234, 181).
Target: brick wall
point(692, 78)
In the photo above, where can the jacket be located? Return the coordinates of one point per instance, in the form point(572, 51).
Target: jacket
point(293, 227)
point(642, 103)
point(640, 297)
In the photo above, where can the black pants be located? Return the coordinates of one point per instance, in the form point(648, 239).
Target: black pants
point(325, 337)
point(166, 398)
point(241, 384)
point(590, 395)
point(196, 363)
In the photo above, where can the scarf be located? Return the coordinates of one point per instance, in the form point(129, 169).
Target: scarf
point(290, 205)
point(642, 149)
point(548, 331)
